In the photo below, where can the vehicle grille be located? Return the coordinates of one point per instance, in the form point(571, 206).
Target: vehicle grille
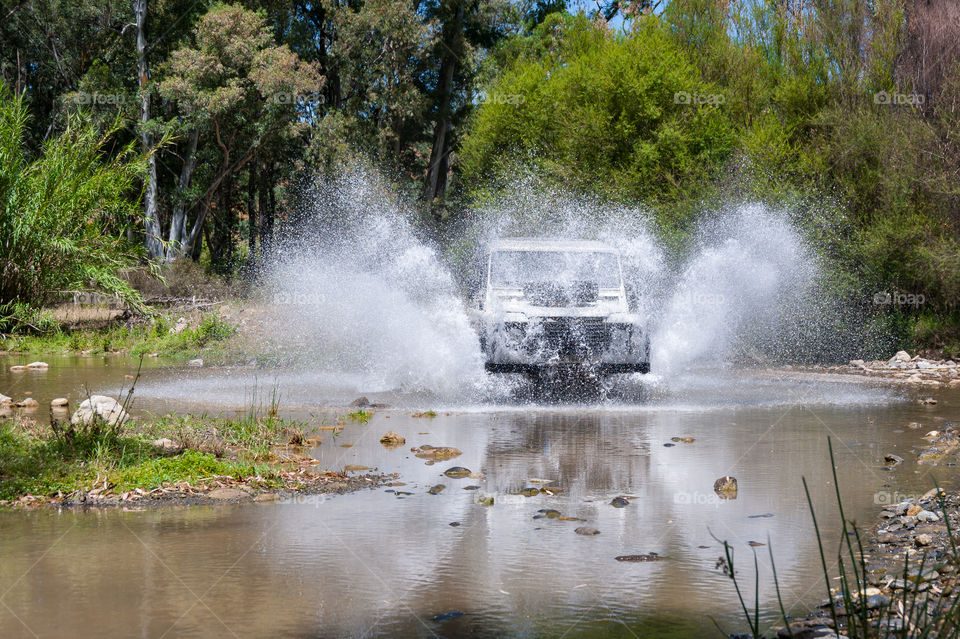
point(574, 335)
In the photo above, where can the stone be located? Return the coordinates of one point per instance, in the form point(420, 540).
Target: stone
point(393, 439)
point(180, 326)
point(586, 531)
point(914, 425)
point(652, 556)
point(17, 369)
point(29, 402)
point(356, 468)
point(196, 363)
point(38, 366)
point(59, 402)
point(954, 383)
point(457, 472)
point(927, 516)
point(360, 402)
point(226, 493)
point(437, 453)
point(726, 487)
point(5, 400)
point(892, 459)
point(619, 502)
point(923, 540)
point(266, 497)
point(107, 408)
point(436, 490)
point(166, 445)
point(901, 356)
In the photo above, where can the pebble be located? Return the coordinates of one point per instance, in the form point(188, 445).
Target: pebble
point(924, 539)
point(586, 531)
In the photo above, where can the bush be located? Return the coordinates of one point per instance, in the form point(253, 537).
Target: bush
point(62, 215)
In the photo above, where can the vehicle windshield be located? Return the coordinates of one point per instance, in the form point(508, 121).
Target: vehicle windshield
point(516, 268)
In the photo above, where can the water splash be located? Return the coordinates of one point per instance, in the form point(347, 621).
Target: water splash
point(358, 292)
point(361, 293)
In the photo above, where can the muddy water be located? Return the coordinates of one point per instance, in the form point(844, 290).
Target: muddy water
point(375, 564)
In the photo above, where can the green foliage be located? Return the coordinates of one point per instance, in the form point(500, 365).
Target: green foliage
point(34, 460)
point(62, 215)
point(139, 339)
point(360, 416)
point(615, 115)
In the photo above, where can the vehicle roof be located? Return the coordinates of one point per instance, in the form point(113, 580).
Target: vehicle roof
point(548, 244)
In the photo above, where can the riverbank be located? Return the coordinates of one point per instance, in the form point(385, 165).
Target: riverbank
point(907, 568)
point(183, 460)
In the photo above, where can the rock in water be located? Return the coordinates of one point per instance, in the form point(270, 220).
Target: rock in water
point(652, 556)
point(457, 472)
point(726, 487)
point(586, 530)
point(619, 502)
point(195, 363)
point(29, 402)
point(58, 402)
point(360, 402)
point(38, 365)
point(106, 408)
point(436, 490)
point(393, 439)
point(5, 400)
point(438, 453)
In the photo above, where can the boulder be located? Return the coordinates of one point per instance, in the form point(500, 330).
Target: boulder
point(360, 402)
point(5, 400)
point(38, 365)
point(59, 402)
point(902, 357)
point(29, 402)
point(107, 408)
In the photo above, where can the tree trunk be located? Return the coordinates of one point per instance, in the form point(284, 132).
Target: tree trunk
point(178, 224)
point(252, 211)
point(151, 225)
point(436, 182)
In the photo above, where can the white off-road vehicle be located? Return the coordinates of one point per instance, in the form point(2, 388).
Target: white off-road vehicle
point(551, 307)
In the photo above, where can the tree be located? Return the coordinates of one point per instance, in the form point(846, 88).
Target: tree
point(236, 89)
